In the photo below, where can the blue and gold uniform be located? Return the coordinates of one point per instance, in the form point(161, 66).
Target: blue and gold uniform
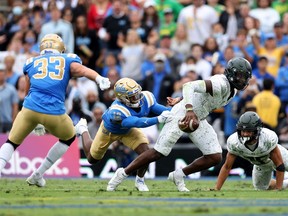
point(124, 118)
point(49, 76)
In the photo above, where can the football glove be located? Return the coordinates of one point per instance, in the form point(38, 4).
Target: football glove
point(103, 82)
point(165, 117)
point(39, 130)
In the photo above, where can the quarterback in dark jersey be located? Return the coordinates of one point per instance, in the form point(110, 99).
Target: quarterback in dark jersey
point(47, 77)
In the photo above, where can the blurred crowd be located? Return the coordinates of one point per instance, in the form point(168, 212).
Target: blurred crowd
point(159, 43)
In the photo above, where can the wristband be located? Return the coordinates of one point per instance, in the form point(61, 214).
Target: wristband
point(189, 109)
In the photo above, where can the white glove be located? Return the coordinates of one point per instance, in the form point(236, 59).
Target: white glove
point(39, 130)
point(165, 117)
point(103, 82)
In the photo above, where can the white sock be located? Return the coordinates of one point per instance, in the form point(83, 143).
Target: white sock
point(180, 172)
point(140, 178)
point(6, 152)
point(56, 152)
point(285, 183)
point(124, 173)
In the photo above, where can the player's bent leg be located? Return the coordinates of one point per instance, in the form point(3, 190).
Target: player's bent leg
point(202, 163)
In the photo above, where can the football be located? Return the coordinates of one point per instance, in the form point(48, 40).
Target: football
point(188, 128)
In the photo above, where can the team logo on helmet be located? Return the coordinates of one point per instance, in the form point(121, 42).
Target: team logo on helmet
point(52, 42)
point(129, 92)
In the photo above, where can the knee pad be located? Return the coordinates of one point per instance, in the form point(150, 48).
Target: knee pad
point(13, 144)
point(68, 142)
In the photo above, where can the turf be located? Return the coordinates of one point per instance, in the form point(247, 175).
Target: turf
point(89, 197)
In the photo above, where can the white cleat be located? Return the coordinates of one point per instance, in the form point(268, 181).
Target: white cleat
point(117, 178)
point(36, 179)
point(81, 127)
point(178, 181)
point(140, 184)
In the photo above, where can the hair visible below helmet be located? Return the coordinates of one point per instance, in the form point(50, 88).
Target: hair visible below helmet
point(51, 42)
point(128, 91)
point(238, 72)
point(249, 121)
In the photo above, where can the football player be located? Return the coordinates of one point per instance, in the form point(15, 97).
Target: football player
point(199, 98)
point(47, 77)
point(122, 121)
point(259, 146)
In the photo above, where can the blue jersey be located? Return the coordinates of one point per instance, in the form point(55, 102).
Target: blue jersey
point(119, 118)
point(49, 76)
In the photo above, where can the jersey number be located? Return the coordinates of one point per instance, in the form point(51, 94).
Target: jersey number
point(43, 67)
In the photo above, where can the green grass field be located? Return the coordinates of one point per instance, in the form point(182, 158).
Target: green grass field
point(89, 197)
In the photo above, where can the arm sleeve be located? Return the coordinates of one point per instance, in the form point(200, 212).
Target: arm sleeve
point(159, 108)
point(191, 87)
point(133, 121)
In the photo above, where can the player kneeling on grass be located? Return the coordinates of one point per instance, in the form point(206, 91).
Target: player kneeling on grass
point(259, 146)
point(122, 121)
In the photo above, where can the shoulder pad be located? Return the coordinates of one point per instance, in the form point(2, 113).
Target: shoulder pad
point(149, 98)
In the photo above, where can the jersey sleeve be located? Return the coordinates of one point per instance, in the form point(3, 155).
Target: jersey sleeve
point(27, 64)
point(72, 57)
point(232, 144)
point(156, 108)
point(117, 114)
point(270, 139)
point(142, 122)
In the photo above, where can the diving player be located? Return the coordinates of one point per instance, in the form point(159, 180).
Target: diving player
point(47, 77)
point(199, 98)
point(122, 121)
point(259, 146)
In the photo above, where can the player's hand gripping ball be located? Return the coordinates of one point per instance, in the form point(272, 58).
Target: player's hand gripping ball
point(188, 128)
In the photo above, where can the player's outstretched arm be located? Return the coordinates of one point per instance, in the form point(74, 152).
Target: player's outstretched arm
point(276, 157)
point(79, 70)
point(225, 169)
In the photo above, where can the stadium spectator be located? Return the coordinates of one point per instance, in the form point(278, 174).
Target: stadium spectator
point(224, 87)
point(150, 16)
point(108, 96)
point(116, 23)
point(131, 55)
point(211, 50)
point(78, 111)
point(60, 27)
point(168, 25)
point(203, 67)
point(266, 15)
point(273, 53)
point(110, 62)
point(8, 102)
point(87, 43)
point(231, 19)
point(44, 103)
point(11, 75)
point(98, 110)
point(281, 85)
point(122, 122)
point(268, 104)
point(97, 13)
point(221, 38)
point(159, 82)
point(197, 19)
point(282, 128)
point(260, 73)
point(260, 147)
point(180, 43)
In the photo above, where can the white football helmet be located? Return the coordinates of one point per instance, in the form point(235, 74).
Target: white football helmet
point(128, 91)
point(52, 42)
